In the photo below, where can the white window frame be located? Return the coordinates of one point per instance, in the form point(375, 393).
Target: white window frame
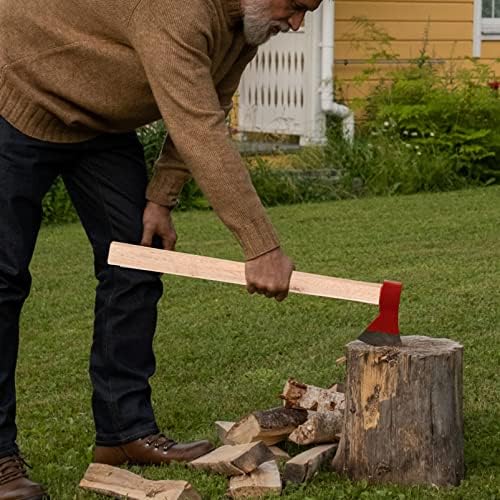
point(485, 29)
point(490, 29)
point(477, 32)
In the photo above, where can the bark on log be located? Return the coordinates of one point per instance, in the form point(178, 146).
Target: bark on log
point(320, 427)
point(264, 480)
point(117, 482)
point(234, 460)
point(270, 426)
point(404, 416)
point(309, 397)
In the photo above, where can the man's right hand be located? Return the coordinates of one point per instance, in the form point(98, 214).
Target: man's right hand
point(269, 274)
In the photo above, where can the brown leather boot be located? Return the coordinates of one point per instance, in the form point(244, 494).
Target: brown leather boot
point(155, 449)
point(14, 481)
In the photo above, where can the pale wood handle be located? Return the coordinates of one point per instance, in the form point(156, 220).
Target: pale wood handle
point(228, 271)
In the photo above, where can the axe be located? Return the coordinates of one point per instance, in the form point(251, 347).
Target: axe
point(383, 331)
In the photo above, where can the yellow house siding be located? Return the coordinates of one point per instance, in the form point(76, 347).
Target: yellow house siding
point(405, 10)
point(490, 46)
point(414, 31)
point(446, 26)
point(490, 51)
point(345, 53)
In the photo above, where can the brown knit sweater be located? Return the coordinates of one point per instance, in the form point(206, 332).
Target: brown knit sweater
point(72, 69)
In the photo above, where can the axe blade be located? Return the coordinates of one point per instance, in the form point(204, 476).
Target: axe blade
point(384, 330)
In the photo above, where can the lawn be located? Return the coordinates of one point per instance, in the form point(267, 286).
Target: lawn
point(222, 353)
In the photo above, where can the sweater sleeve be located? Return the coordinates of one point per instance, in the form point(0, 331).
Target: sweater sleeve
point(170, 172)
point(174, 48)
point(169, 176)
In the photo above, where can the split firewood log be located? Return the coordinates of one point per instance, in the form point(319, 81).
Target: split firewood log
point(223, 427)
point(303, 467)
point(279, 454)
point(117, 482)
point(270, 426)
point(309, 397)
point(320, 427)
point(234, 460)
point(262, 481)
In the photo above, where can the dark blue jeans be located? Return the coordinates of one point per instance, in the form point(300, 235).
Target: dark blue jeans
point(106, 179)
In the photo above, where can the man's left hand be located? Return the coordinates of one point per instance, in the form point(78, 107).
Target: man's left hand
point(157, 221)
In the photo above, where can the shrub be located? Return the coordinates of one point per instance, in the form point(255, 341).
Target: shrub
point(56, 205)
point(455, 114)
point(292, 185)
point(451, 107)
point(381, 163)
point(151, 137)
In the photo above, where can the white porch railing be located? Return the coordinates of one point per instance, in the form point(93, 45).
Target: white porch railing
point(279, 89)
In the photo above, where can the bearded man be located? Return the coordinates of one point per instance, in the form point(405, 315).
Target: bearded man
point(76, 79)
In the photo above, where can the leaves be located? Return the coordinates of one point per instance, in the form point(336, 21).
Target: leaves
point(452, 111)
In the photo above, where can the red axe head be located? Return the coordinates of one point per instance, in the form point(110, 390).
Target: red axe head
point(384, 331)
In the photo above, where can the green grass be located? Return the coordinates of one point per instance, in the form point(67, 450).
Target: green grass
point(222, 353)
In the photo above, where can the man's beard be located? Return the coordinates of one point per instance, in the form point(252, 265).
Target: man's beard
point(258, 25)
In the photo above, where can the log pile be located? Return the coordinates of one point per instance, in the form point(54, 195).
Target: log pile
point(325, 412)
point(309, 416)
point(249, 457)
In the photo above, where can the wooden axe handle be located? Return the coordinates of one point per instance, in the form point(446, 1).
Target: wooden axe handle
point(228, 271)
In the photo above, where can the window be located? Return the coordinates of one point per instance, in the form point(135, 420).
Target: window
point(490, 24)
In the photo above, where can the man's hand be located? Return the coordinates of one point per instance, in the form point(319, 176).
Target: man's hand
point(158, 222)
point(269, 274)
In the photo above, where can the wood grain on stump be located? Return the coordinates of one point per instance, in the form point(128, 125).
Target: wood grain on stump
point(403, 417)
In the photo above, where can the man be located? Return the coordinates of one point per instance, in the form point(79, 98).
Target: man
point(76, 79)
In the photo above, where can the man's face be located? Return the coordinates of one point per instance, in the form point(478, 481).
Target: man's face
point(264, 18)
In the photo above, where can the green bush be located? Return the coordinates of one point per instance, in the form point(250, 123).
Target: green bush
point(277, 186)
point(455, 114)
point(152, 137)
point(380, 163)
point(57, 207)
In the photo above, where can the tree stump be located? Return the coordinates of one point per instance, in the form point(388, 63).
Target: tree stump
point(403, 413)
